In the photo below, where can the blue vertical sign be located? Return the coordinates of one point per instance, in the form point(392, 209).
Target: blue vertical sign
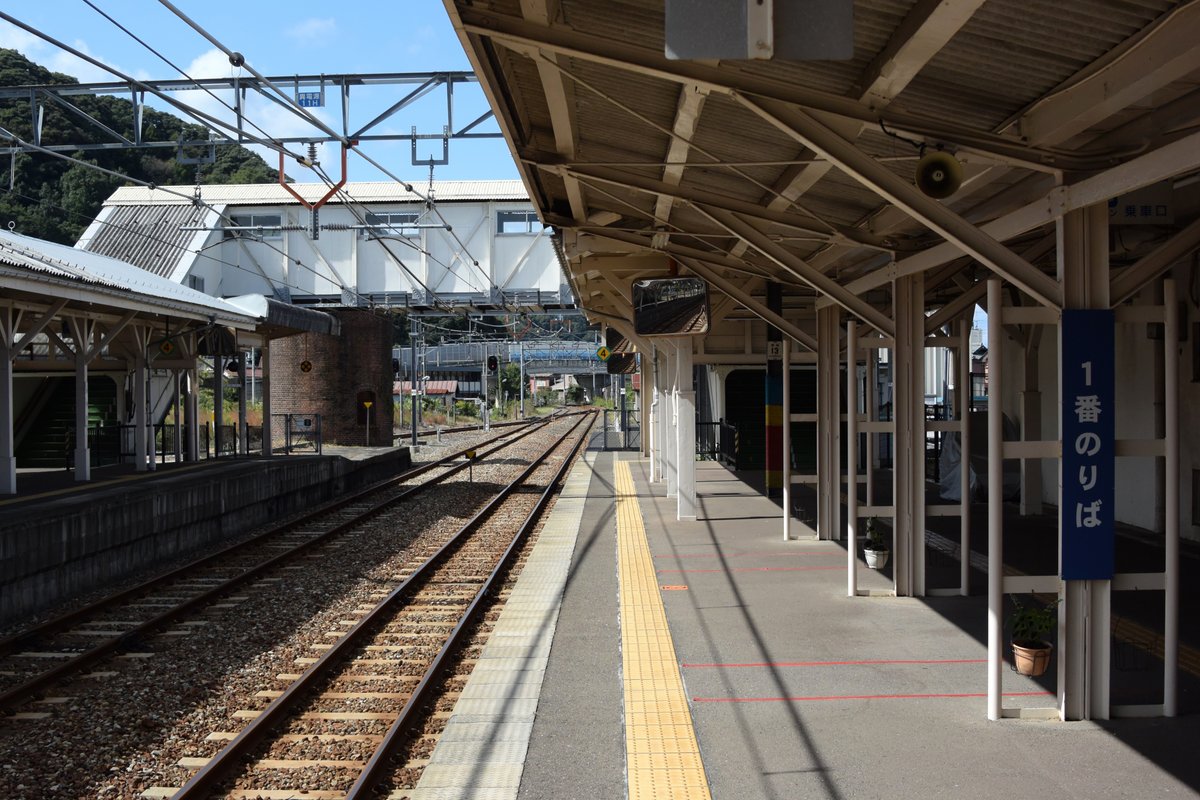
point(1088, 415)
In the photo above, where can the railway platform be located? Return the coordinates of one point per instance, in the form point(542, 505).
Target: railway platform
point(649, 658)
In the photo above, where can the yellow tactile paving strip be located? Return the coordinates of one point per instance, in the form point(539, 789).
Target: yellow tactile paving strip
point(661, 752)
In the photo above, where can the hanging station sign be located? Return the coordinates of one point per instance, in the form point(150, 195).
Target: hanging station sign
point(1088, 416)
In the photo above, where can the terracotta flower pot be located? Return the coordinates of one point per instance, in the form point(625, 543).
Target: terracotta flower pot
point(1031, 658)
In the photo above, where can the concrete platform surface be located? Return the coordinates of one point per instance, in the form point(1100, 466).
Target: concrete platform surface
point(797, 691)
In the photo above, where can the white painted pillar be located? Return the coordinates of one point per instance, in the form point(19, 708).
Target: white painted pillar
point(267, 430)
point(218, 402)
point(686, 436)
point(8, 457)
point(1085, 613)
point(963, 380)
point(872, 406)
point(140, 415)
point(828, 423)
point(786, 388)
point(83, 458)
point(672, 442)
point(654, 436)
point(851, 458)
point(995, 491)
point(193, 410)
point(1171, 501)
point(243, 430)
point(908, 403)
point(177, 438)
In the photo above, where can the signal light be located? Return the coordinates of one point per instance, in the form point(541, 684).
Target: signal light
point(493, 364)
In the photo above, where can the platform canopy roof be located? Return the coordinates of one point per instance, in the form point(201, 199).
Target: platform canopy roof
point(744, 171)
point(36, 276)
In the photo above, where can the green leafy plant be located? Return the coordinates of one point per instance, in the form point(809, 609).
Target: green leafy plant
point(875, 540)
point(1030, 624)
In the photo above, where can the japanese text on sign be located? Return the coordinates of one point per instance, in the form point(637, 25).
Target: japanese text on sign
point(1088, 446)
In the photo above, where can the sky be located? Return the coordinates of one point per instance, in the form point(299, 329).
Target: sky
point(279, 39)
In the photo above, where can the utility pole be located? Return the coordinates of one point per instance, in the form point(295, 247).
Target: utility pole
point(521, 388)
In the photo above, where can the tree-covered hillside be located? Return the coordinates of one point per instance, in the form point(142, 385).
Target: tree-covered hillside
point(55, 199)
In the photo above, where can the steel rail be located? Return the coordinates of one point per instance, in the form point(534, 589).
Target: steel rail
point(372, 772)
point(21, 693)
point(240, 746)
point(55, 624)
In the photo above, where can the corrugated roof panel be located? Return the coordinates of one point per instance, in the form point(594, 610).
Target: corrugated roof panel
point(360, 192)
point(1013, 52)
point(74, 264)
point(633, 22)
point(150, 237)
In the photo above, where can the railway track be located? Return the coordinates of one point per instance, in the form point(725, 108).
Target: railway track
point(331, 731)
point(33, 660)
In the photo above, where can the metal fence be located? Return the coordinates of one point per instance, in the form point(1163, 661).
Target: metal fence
point(292, 433)
point(621, 430)
point(717, 441)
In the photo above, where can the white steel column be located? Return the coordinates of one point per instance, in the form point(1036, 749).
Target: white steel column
point(995, 490)
point(670, 424)
point(654, 436)
point(828, 423)
point(965, 393)
point(851, 458)
point(9, 321)
point(265, 362)
point(177, 437)
point(243, 431)
point(1171, 495)
point(81, 332)
point(219, 403)
point(193, 410)
point(871, 397)
point(908, 403)
point(786, 444)
point(141, 334)
point(686, 433)
point(1084, 615)
point(8, 458)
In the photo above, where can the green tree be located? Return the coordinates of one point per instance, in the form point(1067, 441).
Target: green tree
point(53, 198)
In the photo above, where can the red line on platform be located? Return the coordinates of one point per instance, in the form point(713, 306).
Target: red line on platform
point(852, 663)
point(860, 697)
point(822, 554)
point(754, 569)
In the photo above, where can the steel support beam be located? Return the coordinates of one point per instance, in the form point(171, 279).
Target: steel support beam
point(798, 267)
point(685, 426)
point(870, 173)
point(755, 307)
point(1149, 267)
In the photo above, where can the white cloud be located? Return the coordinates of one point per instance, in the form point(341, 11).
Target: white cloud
point(312, 30)
point(53, 58)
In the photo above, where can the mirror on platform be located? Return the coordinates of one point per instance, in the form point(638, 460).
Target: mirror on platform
point(670, 307)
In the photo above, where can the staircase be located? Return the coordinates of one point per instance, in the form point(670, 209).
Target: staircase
point(46, 443)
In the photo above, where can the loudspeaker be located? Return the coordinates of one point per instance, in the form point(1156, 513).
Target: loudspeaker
point(939, 174)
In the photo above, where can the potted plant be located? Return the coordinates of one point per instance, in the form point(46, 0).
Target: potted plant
point(1030, 625)
point(876, 550)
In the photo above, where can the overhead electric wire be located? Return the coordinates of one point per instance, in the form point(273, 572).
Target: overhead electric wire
point(174, 66)
point(191, 199)
point(240, 60)
point(198, 252)
point(211, 122)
